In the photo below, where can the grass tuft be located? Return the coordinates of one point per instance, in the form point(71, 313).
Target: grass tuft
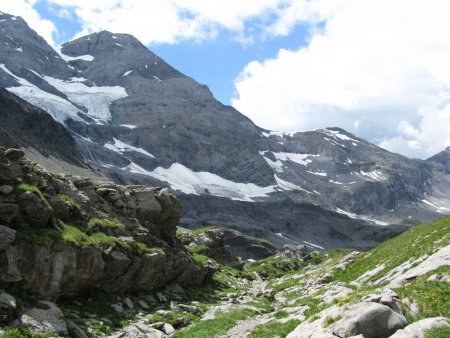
point(274, 330)
point(31, 188)
point(104, 224)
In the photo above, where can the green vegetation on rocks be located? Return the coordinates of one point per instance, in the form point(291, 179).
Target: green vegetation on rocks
point(31, 188)
point(104, 224)
point(66, 199)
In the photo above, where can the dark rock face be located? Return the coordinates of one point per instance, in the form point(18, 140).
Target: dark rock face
point(140, 121)
point(22, 124)
point(74, 236)
point(65, 270)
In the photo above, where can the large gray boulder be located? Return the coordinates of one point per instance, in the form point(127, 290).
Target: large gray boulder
point(417, 329)
point(35, 212)
point(47, 318)
point(7, 304)
point(139, 330)
point(372, 320)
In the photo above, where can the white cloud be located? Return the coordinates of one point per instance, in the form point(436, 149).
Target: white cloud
point(377, 67)
point(169, 21)
point(24, 8)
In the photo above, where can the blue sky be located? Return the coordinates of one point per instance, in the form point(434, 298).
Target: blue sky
point(377, 68)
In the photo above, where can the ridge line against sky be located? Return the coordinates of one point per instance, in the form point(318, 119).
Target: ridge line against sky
point(378, 69)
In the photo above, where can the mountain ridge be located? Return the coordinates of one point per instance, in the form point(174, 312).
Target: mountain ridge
point(138, 120)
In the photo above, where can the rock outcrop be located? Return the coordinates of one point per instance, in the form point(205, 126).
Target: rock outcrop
point(227, 246)
point(62, 235)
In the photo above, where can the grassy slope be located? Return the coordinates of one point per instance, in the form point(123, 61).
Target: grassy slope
point(420, 240)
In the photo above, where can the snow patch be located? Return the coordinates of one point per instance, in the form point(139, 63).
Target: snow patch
point(285, 185)
point(122, 147)
point(335, 182)
point(302, 159)
point(317, 173)
point(275, 165)
point(337, 135)
point(19, 49)
point(127, 73)
point(129, 126)
point(60, 109)
point(278, 133)
point(188, 181)
point(118, 44)
point(68, 58)
point(314, 245)
point(95, 99)
point(376, 175)
point(361, 217)
point(156, 78)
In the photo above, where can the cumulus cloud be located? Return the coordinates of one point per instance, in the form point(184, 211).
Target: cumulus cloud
point(378, 68)
point(24, 8)
point(169, 21)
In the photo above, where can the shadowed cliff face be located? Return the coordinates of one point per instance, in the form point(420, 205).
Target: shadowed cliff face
point(22, 124)
point(140, 121)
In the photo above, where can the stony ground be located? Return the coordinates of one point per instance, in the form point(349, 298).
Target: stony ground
point(330, 294)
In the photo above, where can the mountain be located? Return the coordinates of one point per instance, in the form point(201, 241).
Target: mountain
point(140, 121)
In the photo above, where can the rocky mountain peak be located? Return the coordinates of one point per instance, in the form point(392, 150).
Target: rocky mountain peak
point(114, 58)
point(24, 50)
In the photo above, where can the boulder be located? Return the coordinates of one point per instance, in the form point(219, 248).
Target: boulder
point(296, 251)
point(74, 330)
point(143, 304)
point(7, 304)
point(34, 211)
point(47, 318)
point(9, 213)
point(128, 303)
point(147, 206)
point(139, 331)
point(386, 297)
point(372, 320)
point(417, 329)
point(14, 154)
point(269, 293)
point(170, 215)
point(6, 189)
point(188, 308)
point(174, 288)
point(118, 308)
point(168, 329)
point(7, 236)
point(160, 297)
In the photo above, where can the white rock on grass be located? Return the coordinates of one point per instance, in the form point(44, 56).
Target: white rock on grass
point(139, 330)
point(417, 329)
point(372, 320)
point(315, 328)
